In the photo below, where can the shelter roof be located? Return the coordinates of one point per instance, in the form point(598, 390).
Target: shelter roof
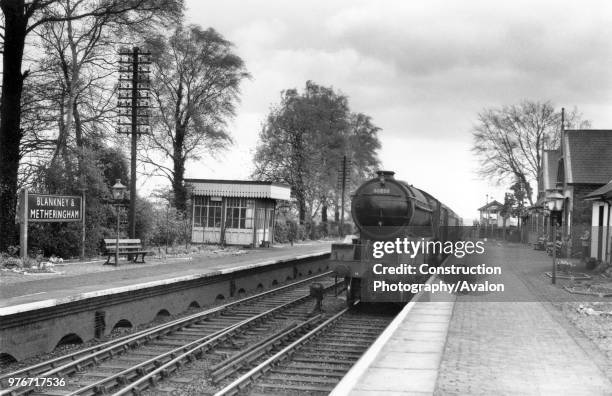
point(603, 192)
point(239, 188)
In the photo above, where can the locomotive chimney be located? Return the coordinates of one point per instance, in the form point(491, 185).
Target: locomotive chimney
point(383, 174)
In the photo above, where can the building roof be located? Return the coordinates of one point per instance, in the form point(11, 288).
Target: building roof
point(604, 192)
point(239, 188)
point(550, 159)
point(491, 206)
point(587, 155)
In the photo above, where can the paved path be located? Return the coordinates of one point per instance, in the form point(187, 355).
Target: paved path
point(129, 274)
point(519, 345)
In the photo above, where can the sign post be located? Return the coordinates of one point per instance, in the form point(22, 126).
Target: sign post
point(23, 225)
point(83, 227)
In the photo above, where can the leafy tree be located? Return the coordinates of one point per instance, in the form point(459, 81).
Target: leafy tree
point(509, 141)
point(304, 140)
point(169, 227)
point(20, 19)
point(196, 85)
point(507, 210)
point(363, 145)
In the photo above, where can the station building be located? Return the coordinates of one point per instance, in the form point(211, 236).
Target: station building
point(489, 214)
point(579, 167)
point(234, 212)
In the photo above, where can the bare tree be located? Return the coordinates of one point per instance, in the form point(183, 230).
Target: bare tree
point(195, 86)
point(20, 19)
point(509, 141)
point(83, 52)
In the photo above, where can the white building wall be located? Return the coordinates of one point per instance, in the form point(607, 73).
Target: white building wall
point(597, 250)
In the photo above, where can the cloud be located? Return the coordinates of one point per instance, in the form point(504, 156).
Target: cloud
point(421, 69)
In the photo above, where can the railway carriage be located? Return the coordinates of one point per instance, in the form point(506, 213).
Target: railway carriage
point(385, 209)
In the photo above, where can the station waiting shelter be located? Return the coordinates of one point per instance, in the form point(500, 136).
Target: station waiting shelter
point(234, 212)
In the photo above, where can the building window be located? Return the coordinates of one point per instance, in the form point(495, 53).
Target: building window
point(207, 212)
point(235, 212)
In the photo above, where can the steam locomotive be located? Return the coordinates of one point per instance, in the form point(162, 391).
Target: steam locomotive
point(385, 209)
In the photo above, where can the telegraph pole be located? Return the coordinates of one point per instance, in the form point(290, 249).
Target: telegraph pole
point(133, 111)
point(343, 179)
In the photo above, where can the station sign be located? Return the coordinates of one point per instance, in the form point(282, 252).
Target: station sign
point(54, 208)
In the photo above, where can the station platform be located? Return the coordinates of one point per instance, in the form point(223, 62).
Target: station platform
point(44, 291)
point(517, 342)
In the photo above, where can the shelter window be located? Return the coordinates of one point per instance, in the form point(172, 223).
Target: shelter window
point(236, 212)
point(207, 212)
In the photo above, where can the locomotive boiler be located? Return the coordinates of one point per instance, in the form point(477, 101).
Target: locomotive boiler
point(386, 210)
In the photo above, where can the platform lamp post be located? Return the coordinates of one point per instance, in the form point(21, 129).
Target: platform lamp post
point(554, 203)
point(189, 213)
point(118, 193)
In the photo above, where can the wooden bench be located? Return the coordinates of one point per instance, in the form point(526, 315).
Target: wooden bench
point(558, 246)
point(127, 247)
point(540, 244)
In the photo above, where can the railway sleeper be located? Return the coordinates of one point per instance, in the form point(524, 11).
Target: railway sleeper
point(342, 333)
point(95, 375)
point(151, 350)
point(209, 327)
point(302, 379)
point(50, 392)
point(257, 331)
point(306, 359)
point(320, 372)
point(345, 336)
point(327, 367)
point(194, 330)
point(345, 342)
point(183, 336)
point(169, 343)
point(235, 313)
point(362, 325)
point(134, 360)
point(359, 326)
point(267, 387)
point(372, 319)
point(115, 366)
point(319, 352)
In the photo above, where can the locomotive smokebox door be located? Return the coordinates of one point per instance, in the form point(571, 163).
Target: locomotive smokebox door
point(316, 291)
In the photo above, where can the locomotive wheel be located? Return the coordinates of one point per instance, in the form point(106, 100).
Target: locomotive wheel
point(353, 290)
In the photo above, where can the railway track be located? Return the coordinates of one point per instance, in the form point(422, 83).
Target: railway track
point(135, 362)
point(312, 363)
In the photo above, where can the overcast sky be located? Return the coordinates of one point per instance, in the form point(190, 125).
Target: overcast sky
point(421, 69)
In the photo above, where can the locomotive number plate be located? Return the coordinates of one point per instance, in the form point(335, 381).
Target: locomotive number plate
point(382, 191)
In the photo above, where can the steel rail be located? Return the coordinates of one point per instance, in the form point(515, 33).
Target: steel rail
point(258, 350)
point(78, 360)
point(240, 383)
point(201, 346)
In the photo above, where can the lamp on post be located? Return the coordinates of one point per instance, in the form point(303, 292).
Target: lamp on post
point(118, 191)
point(554, 203)
point(189, 212)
